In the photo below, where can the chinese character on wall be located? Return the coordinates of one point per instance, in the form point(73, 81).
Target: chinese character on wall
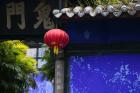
point(15, 9)
point(43, 11)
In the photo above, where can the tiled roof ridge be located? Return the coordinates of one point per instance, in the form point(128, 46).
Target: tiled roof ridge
point(104, 10)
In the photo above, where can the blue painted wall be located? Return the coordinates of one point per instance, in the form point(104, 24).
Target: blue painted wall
point(115, 73)
point(103, 31)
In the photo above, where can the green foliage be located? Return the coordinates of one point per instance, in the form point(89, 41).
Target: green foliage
point(48, 69)
point(15, 67)
point(95, 3)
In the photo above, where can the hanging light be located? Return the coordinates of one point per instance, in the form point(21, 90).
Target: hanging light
point(56, 39)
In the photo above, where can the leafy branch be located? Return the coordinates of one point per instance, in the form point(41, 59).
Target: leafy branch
point(16, 68)
point(95, 3)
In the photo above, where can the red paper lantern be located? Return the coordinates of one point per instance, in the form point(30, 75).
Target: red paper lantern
point(56, 38)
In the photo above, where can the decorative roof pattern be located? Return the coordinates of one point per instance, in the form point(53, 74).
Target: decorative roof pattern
point(116, 10)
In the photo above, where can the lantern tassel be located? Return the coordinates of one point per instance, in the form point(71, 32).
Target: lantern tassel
point(55, 50)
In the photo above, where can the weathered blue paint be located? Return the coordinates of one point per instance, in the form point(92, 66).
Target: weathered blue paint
point(113, 73)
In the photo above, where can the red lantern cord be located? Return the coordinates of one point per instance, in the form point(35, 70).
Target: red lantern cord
point(56, 39)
